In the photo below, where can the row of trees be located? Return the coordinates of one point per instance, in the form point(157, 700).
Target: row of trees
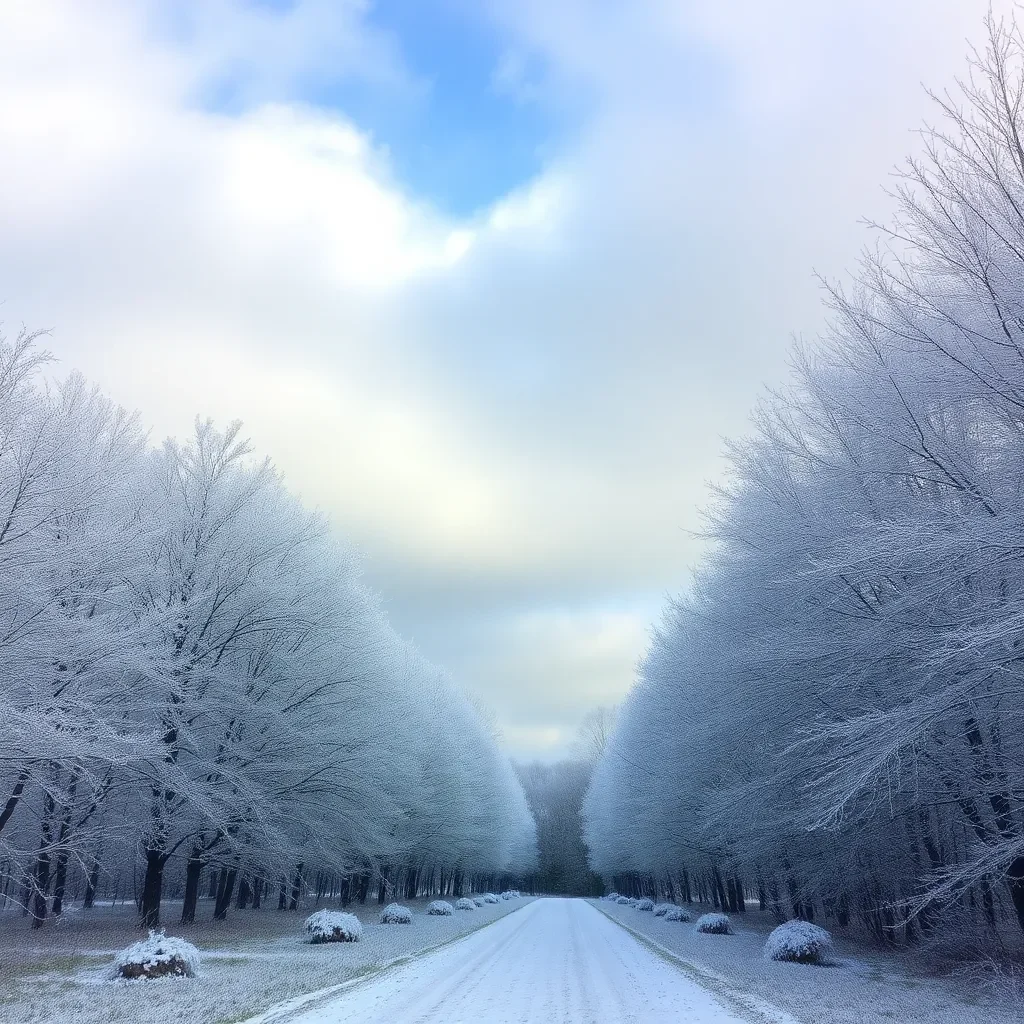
point(554, 792)
point(193, 677)
point(833, 718)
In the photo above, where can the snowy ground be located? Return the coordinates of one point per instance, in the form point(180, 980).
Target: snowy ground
point(864, 987)
point(558, 960)
point(250, 962)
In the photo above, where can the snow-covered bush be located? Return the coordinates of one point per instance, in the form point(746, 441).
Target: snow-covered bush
point(713, 924)
point(440, 908)
point(157, 956)
point(489, 897)
point(465, 904)
point(677, 914)
point(623, 901)
point(479, 900)
point(611, 897)
point(395, 913)
point(800, 942)
point(645, 904)
point(333, 926)
point(661, 909)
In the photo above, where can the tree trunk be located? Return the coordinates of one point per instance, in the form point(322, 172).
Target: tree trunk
point(227, 887)
point(152, 889)
point(293, 903)
point(193, 873)
point(92, 883)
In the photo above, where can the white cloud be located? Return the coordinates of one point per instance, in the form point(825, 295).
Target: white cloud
point(510, 414)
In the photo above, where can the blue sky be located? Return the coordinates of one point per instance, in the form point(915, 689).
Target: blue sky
point(458, 133)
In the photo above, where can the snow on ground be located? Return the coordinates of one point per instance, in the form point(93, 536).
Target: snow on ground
point(252, 961)
point(558, 960)
point(864, 986)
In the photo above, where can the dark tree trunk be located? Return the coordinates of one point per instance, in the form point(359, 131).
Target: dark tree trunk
point(227, 887)
point(293, 903)
point(244, 893)
point(282, 894)
point(257, 893)
point(41, 873)
point(193, 874)
point(92, 883)
point(152, 889)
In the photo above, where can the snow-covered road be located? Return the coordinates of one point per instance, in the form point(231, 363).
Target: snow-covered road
point(556, 961)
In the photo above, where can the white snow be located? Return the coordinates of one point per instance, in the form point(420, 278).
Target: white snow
point(395, 913)
point(151, 954)
point(479, 900)
point(489, 897)
point(645, 904)
point(465, 904)
point(440, 908)
point(799, 941)
point(713, 924)
point(333, 926)
point(554, 960)
point(661, 909)
point(677, 914)
point(624, 900)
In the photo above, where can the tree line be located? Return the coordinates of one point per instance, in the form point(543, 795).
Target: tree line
point(198, 694)
point(830, 719)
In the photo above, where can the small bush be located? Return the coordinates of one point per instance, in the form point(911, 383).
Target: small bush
point(440, 908)
point(465, 904)
point(611, 897)
point(645, 904)
point(395, 913)
point(713, 924)
point(799, 942)
point(677, 914)
point(479, 900)
point(489, 897)
point(661, 909)
point(333, 926)
point(623, 901)
point(158, 956)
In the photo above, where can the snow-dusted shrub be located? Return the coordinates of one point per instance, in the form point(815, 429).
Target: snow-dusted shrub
point(157, 956)
point(440, 908)
point(515, 894)
point(624, 901)
point(465, 904)
point(677, 914)
point(713, 924)
point(489, 897)
point(611, 897)
point(800, 942)
point(333, 926)
point(479, 900)
point(395, 913)
point(661, 909)
point(507, 894)
point(645, 904)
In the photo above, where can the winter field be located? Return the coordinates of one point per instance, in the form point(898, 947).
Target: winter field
point(250, 962)
point(863, 984)
point(568, 960)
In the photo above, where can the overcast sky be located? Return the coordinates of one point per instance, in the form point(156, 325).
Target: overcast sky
point(488, 279)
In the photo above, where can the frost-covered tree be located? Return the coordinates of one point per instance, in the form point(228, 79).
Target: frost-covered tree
point(830, 718)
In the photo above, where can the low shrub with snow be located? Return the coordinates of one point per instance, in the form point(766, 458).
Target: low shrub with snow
point(799, 942)
point(479, 900)
point(333, 926)
point(713, 924)
point(440, 908)
point(489, 897)
point(661, 909)
point(611, 897)
point(677, 914)
point(465, 904)
point(395, 913)
point(624, 901)
point(645, 904)
point(157, 956)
